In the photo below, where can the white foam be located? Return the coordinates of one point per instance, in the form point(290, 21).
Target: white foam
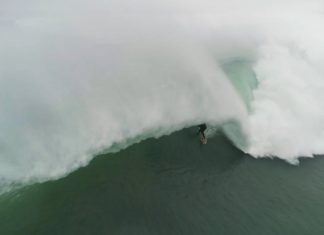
point(287, 118)
point(73, 84)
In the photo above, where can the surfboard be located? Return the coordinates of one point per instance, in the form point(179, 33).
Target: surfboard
point(202, 139)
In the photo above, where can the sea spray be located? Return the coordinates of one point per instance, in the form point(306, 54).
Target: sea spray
point(68, 94)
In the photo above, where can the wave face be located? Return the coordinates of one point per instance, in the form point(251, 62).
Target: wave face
point(78, 77)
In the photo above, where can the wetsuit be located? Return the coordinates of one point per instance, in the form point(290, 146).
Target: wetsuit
point(202, 128)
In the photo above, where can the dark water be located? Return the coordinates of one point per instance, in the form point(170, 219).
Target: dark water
point(174, 186)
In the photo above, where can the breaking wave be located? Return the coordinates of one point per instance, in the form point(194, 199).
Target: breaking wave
point(80, 78)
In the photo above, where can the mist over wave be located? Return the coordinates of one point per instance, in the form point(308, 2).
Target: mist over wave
point(78, 77)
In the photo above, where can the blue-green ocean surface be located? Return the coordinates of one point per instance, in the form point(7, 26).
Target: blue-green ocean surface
point(172, 185)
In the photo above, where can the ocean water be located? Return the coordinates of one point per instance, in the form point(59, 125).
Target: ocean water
point(99, 102)
point(173, 185)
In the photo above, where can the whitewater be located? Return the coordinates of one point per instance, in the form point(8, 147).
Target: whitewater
point(79, 78)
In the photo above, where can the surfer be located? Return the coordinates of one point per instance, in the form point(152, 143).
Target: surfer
point(202, 128)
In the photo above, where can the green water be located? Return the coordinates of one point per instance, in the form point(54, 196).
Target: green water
point(242, 76)
point(173, 186)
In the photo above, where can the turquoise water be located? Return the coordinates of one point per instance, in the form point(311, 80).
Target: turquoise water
point(173, 185)
point(242, 76)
